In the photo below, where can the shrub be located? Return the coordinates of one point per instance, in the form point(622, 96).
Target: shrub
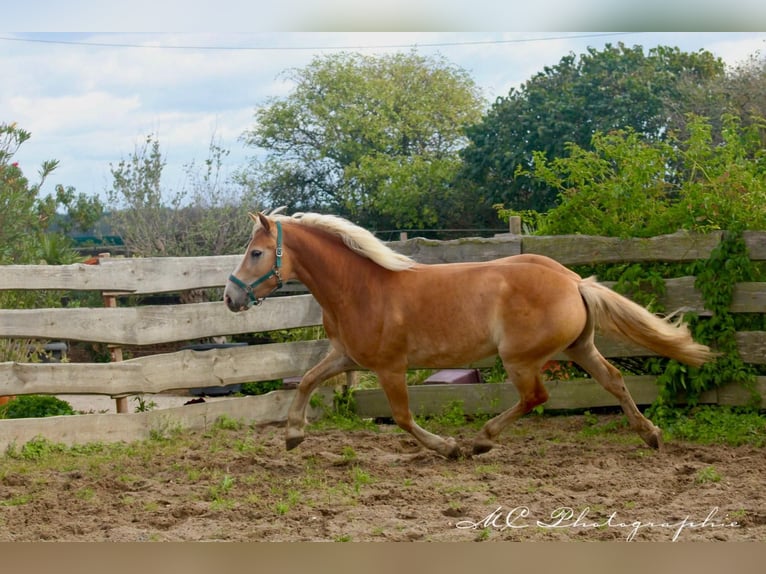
point(35, 406)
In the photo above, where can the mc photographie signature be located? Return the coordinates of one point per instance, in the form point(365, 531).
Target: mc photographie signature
point(520, 517)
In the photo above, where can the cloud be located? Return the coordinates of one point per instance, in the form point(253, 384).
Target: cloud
point(86, 111)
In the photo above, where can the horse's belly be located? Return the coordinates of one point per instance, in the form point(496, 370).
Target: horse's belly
point(453, 343)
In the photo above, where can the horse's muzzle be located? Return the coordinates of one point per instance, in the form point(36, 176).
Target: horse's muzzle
point(236, 300)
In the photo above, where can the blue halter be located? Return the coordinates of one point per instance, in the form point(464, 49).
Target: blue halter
point(274, 272)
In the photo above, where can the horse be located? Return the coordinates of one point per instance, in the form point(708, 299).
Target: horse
point(386, 313)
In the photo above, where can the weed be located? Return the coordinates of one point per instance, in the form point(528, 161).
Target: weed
point(281, 508)
point(483, 535)
point(342, 415)
point(37, 449)
point(16, 500)
point(86, 493)
point(590, 419)
point(143, 405)
point(484, 469)
point(225, 422)
point(594, 428)
point(218, 491)
point(360, 478)
point(247, 445)
point(343, 538)
point(348, 454)
point(452, 415)
point(717, 425)
point(707, 474)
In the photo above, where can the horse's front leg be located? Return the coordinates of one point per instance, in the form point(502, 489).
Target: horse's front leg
point(395, 386)
point(335, 362)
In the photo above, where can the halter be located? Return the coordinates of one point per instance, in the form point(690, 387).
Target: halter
point(274, 272)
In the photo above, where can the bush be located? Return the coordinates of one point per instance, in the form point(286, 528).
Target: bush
point(260, 387)
point(35, 406)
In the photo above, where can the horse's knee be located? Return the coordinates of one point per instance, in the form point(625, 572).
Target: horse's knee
point(537, 396)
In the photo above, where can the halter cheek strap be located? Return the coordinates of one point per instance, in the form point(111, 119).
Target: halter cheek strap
point(274, 272)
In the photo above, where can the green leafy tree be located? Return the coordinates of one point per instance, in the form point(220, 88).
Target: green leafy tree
point(629, 185)
point(29, 229)
point(375, 139)
point(27, 234)
point(617, 88)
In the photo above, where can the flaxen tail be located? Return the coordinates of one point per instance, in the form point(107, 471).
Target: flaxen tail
point(621, 316)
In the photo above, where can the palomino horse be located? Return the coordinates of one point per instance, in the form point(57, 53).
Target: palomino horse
point(386, 313)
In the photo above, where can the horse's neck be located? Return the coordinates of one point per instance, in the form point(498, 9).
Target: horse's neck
point(329, 269)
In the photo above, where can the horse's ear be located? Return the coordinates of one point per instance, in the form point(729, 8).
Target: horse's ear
point(265, 221)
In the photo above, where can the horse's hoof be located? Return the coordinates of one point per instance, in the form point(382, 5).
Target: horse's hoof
point(292, 441)
point(454, 452)
point(482, 446)
point(653, 438)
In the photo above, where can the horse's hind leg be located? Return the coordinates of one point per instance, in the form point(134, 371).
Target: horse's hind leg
point(395, 387)
point(585, 354)
point(531, 391)
point(335, 362)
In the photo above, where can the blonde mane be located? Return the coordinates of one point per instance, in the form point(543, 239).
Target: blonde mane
point(354, 237)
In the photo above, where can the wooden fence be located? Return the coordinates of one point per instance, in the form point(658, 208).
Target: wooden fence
point(156, 324)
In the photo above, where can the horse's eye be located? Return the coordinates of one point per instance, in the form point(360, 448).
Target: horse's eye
point(256, 253)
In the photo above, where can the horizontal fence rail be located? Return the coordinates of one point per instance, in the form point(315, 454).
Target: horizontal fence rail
point(158, 324)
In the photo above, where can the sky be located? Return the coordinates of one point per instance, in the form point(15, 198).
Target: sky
point(89, 98)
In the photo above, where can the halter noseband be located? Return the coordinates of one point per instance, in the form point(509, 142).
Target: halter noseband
point(274, 272)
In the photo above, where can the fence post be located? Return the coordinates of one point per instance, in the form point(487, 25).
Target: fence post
point(514, 225)
point(115, 351)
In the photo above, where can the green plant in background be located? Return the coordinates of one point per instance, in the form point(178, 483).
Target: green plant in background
point(710, 424)
point(27, 217)
point(630, 186)
point(143, 405)
point(260, 387)
point(342, 415)
point(35, 406)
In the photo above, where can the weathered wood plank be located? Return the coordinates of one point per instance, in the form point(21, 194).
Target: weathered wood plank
point(590, 250)
point(738, 395)
point(491, 399)
point(456, 250)
point(170, 371)
point(752, 346)
point(154, 324)
point(756, 244)
point(221, 367)
point(82, 429)
point(749, 298)
point(134, 275)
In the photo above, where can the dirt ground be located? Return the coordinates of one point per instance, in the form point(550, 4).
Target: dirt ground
point(549, 478)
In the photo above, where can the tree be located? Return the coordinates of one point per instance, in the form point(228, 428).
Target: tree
point(27, 217)
point(208, 216)
point(740, 91)
point(26, 230)
point(375, 139)
point(599, 91)
point(630, 185)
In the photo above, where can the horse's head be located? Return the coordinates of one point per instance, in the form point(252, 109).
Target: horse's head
point(260, 271)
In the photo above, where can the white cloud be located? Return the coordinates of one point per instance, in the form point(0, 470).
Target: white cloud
point(86, 111)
